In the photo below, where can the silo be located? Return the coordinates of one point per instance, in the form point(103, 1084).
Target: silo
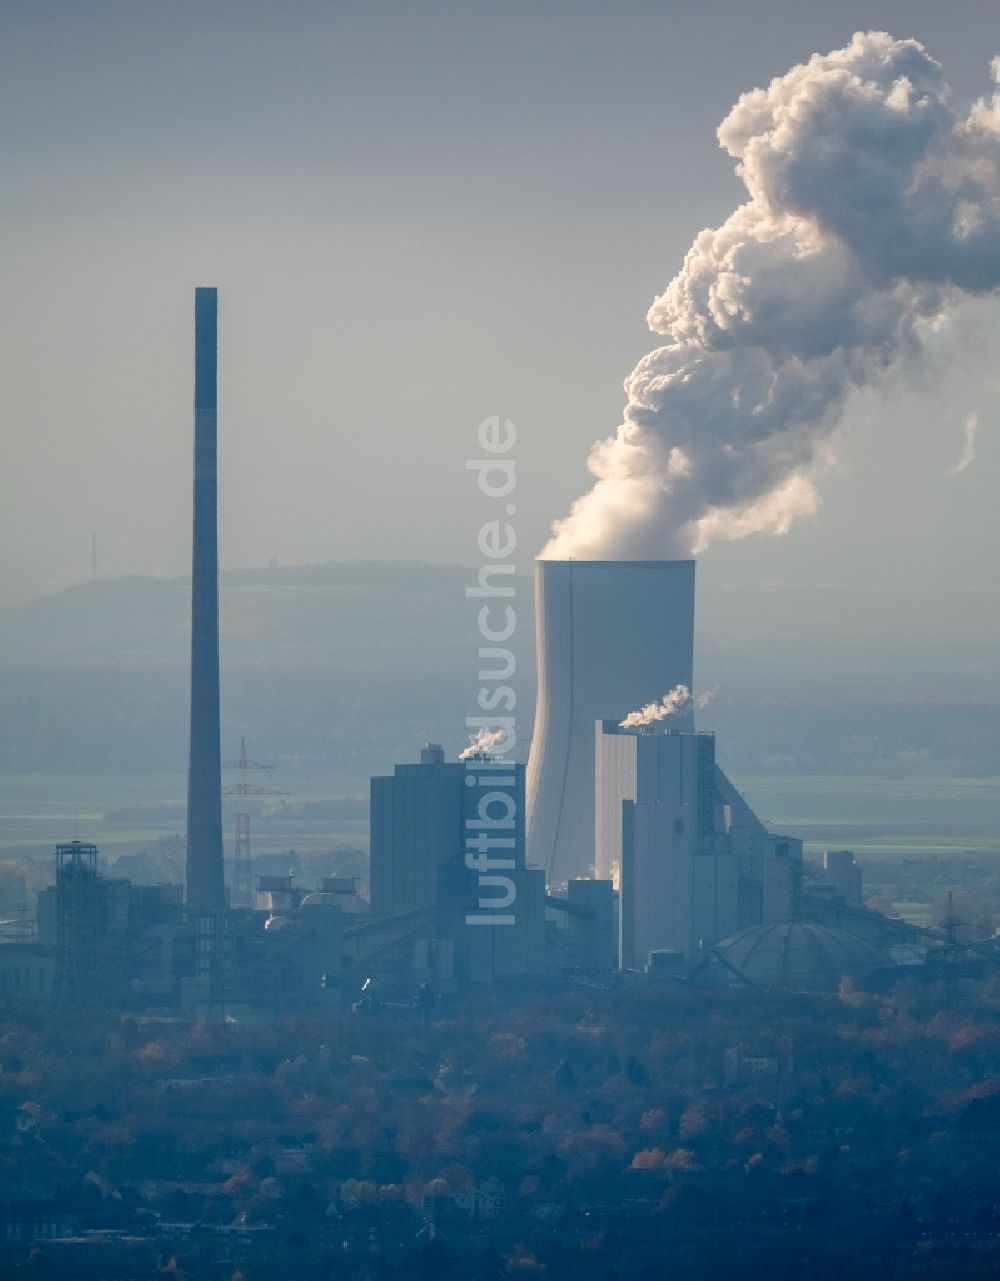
point(610, 636)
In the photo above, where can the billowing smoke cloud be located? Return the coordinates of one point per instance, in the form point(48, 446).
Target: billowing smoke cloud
point(873, 205)
point(968, 447)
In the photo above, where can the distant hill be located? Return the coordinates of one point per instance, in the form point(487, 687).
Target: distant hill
point(353, 616)
point(354, 665)
point(354, 662)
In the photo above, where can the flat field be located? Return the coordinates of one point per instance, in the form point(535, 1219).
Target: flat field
point(126, 813)
point(882, 816)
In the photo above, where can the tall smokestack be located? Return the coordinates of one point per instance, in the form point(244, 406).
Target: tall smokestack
point(205, 881)
point(611, 636)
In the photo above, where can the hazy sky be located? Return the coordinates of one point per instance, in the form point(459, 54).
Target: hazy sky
point(417, 215)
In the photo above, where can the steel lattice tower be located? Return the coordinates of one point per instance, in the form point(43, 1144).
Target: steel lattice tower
point(242, 886)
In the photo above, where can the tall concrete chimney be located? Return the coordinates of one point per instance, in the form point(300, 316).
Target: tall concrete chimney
point(205, 880)
point(610, 637)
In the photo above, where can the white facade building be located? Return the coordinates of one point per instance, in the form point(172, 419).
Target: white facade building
point(690, 859)
point(611, 636)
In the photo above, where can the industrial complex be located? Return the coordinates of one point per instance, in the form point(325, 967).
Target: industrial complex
point(622, 854)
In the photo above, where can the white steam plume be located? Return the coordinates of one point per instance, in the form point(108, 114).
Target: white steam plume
point(873, 205)
point(969, 446)
point(484, 743)
point(679, 699)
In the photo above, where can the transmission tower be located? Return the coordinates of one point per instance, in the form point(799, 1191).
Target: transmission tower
point(242, 860)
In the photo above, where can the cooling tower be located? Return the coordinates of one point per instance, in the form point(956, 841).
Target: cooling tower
point(611, 636)
point(205, 887)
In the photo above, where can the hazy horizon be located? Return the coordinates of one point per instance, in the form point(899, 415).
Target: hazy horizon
point(416, 219)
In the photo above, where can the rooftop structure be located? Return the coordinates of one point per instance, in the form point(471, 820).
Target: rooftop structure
point(797, 954)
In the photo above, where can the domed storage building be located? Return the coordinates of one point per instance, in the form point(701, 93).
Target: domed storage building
point(794, 954)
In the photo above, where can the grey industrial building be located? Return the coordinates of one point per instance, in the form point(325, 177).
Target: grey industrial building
point(425, 818)
point(691, 861)
point(418, 831)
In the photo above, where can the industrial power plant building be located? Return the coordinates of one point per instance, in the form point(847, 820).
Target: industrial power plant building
point(418, 830)
point(610, 636)
point(622, 847)
point(691, 861)
point(433, 826)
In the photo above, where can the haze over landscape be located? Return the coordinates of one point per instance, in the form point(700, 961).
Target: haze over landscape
point(553, 829)
point(292, 200)
point(362, 344)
